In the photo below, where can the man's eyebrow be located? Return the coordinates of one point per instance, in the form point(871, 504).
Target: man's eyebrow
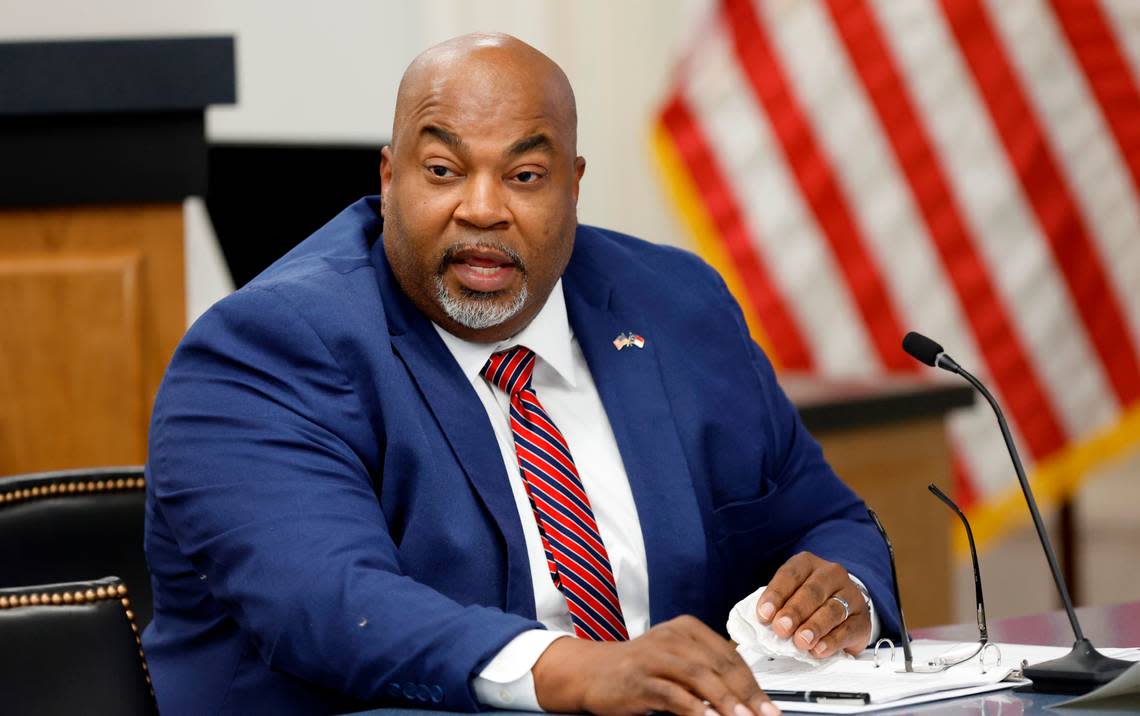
point(536, 141)
point(450, 139)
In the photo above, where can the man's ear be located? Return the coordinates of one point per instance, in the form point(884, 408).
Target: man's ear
point(579, 170)
point(385, 175)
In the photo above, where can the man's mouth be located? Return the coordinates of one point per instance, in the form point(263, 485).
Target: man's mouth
point(483, 269)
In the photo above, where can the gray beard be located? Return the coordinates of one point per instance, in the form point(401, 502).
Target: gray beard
point(477, 310)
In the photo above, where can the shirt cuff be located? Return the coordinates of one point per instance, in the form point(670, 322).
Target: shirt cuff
point(870, 606)
point(506, 682)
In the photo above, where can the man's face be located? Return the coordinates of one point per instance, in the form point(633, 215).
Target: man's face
point(480, 189)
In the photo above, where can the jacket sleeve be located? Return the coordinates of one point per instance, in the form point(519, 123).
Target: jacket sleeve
point(825, 516)
point(259, 461)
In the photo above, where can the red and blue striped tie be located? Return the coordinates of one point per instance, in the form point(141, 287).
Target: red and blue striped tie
point(578, 562)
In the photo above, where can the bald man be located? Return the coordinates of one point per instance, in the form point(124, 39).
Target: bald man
point(488, 457)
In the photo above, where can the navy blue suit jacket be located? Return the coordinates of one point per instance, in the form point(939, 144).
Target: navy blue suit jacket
point(329, 522)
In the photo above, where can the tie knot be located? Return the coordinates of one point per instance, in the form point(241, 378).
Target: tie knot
point(510, 370)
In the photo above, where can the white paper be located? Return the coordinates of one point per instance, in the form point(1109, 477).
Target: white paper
point(889, 688)
point(1125, 687)
point(923, 699)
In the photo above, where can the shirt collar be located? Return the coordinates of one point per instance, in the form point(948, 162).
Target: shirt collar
point(548, 335)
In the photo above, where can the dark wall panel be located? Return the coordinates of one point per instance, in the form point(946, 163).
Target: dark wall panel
point(264, 199)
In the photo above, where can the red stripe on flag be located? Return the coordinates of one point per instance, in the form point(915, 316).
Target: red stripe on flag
point(817, 182)
point(1006, 359)
point(1048, 193)
point(717, 196)
point(1108, 73)
point(964, 491)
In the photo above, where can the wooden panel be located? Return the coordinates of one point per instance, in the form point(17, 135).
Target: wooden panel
point(91, 307)
point(890, 467)
point(70, 358)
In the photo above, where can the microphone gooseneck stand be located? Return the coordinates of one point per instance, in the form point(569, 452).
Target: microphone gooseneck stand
point(1084, 668)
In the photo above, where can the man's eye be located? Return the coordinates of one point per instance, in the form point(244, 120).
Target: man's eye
point(528, 177)
point(439, 170)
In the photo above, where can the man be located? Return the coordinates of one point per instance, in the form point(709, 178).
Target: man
point(489, 458)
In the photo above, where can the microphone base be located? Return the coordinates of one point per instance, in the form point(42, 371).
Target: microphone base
point(1078, 672)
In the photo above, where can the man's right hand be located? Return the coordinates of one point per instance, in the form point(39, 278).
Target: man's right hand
point(676, 666)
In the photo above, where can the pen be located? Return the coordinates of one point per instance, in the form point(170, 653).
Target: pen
point(819, 697)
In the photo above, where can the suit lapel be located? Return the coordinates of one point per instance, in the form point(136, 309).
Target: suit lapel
point(463, 421)
point(630, 385)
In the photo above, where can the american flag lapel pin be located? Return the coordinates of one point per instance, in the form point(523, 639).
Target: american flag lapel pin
point(625, 340)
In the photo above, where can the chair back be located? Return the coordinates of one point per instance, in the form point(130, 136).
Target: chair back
point(72, 648)
point(75, 524)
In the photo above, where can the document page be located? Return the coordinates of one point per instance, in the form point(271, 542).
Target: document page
point(889, 686)
point(884, 683)
point(1124, 690)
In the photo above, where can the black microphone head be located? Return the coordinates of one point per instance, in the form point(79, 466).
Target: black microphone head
point(921, 348)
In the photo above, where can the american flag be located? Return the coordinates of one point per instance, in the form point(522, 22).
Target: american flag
point(967, 168)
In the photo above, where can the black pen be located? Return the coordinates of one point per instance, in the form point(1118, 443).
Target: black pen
point(819, 697)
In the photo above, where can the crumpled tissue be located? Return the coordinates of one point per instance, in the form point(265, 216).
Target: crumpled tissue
point(756, 642)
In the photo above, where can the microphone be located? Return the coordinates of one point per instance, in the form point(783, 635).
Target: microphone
point(927, 351)
point(1084, 668)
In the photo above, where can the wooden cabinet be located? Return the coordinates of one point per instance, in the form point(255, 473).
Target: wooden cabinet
point(92, 304)
point(101, 141)
point(890, 467)
point(887, 440)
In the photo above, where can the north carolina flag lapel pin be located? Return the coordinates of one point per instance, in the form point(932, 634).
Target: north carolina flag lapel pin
point(629, 339)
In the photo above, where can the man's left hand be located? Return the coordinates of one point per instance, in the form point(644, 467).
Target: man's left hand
point(798, 601)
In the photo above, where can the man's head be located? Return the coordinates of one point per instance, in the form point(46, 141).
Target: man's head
point(480, 184)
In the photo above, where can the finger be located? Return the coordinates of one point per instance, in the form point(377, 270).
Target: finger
point(695, 673)
point(803, 603)
point(827, 579)
point(743, 682)
point(851, 636)
point(783, 584)
point(664, 695)
point(727, 663)
point(830, 615)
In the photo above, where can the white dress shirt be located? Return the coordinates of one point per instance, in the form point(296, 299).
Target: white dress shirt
point(564, 386)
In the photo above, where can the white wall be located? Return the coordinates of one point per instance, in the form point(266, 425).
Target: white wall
point(328, 71)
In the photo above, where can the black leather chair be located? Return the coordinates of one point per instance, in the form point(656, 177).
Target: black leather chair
point(75, 524)
point(72, 648)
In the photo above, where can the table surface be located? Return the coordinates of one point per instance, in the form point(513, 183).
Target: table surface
point(1109, 626)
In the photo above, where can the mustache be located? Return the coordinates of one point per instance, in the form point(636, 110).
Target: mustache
point(451, 253)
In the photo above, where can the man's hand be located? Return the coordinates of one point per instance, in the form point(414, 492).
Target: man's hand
point(798, 601)
point(676, 666)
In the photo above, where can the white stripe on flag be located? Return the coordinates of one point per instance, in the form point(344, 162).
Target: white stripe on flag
point(1089, 156)
point(880, 198)
point(1007, 236)
point(973, 160)
point(782, 227)
point(1124, 16)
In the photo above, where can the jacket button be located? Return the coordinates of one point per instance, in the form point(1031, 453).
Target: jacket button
point(394, 689)
point(422, 693)
point(409, 690)
point(436, 694)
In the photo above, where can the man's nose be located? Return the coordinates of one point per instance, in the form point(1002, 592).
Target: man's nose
point(484, 204)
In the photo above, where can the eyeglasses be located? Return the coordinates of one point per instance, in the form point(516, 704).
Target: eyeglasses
point(984, 644)
point(955, 656)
